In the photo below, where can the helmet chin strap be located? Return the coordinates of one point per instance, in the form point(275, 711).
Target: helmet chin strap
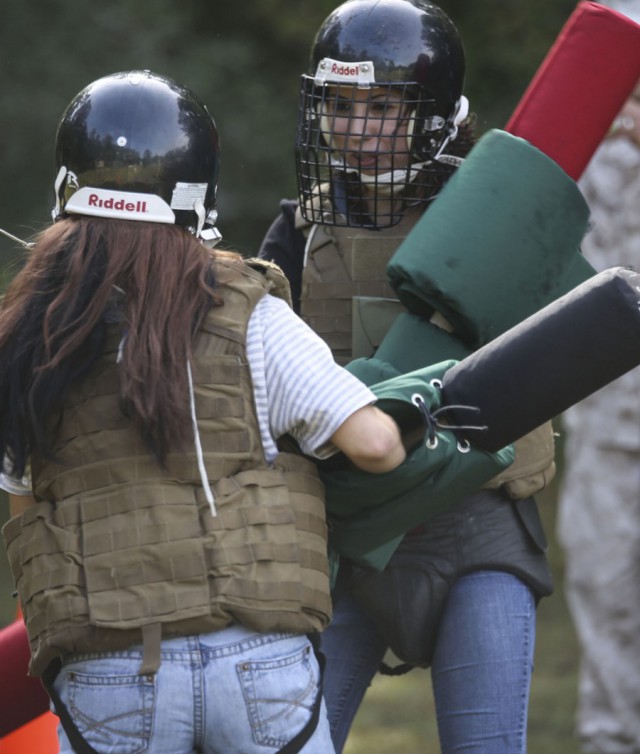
point(394, 180)
point(64, 176)
point(206, 230)
point(201, 214)
point(26, 244)
point(461, 112)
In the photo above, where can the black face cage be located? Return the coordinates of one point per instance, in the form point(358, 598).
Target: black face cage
point(339, 181)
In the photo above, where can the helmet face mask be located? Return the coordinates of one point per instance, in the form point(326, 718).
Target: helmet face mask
point(137, 146)
point(377, 110)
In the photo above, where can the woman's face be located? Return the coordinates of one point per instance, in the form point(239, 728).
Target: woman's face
point(370, 126)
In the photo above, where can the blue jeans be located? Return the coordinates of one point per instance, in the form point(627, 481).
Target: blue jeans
point(229, 692)
point(481, 671)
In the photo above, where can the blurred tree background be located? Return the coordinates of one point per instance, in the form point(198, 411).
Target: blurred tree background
point(242, 58)
point(244, 61)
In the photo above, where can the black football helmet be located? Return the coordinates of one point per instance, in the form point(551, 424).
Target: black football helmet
point(412, 50)
point(138, 146)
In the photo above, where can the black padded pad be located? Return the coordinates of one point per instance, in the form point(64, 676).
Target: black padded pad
point(550, 361)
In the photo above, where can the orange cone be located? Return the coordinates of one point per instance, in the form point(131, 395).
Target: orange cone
point(36, 737)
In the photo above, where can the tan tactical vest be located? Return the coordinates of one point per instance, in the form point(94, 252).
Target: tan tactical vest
point(342, 264)
point(118, 552)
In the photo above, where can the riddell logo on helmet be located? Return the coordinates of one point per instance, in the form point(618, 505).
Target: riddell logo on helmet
point(126, 205)
point(361, 72)
point(116, 204)
point(345, 70)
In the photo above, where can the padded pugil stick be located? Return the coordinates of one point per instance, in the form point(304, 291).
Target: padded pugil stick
point(550, 361)
point(22, 697)
point(580, 87)
point(501, 241)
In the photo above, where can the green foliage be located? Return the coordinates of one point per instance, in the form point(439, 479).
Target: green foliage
point(505, 42)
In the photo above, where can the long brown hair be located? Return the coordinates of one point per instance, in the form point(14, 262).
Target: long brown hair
point(53, 322)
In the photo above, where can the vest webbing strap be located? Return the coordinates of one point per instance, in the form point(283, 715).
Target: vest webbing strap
point(151, 640)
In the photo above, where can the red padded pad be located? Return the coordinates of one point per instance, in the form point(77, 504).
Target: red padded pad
point(580, 87)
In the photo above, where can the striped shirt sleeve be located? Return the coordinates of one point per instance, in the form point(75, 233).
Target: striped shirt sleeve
point(13, 485)
point(298, 387)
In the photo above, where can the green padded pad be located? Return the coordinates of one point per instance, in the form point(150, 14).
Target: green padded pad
point(413, 342)
point(501, 241)
point(372, 370)
point(370, 513)
point(372, 316)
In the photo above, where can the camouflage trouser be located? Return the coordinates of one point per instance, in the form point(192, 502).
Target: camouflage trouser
point(599, 527)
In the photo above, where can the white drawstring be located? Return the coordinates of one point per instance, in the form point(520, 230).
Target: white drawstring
point(120, 353)
point(208, 493)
